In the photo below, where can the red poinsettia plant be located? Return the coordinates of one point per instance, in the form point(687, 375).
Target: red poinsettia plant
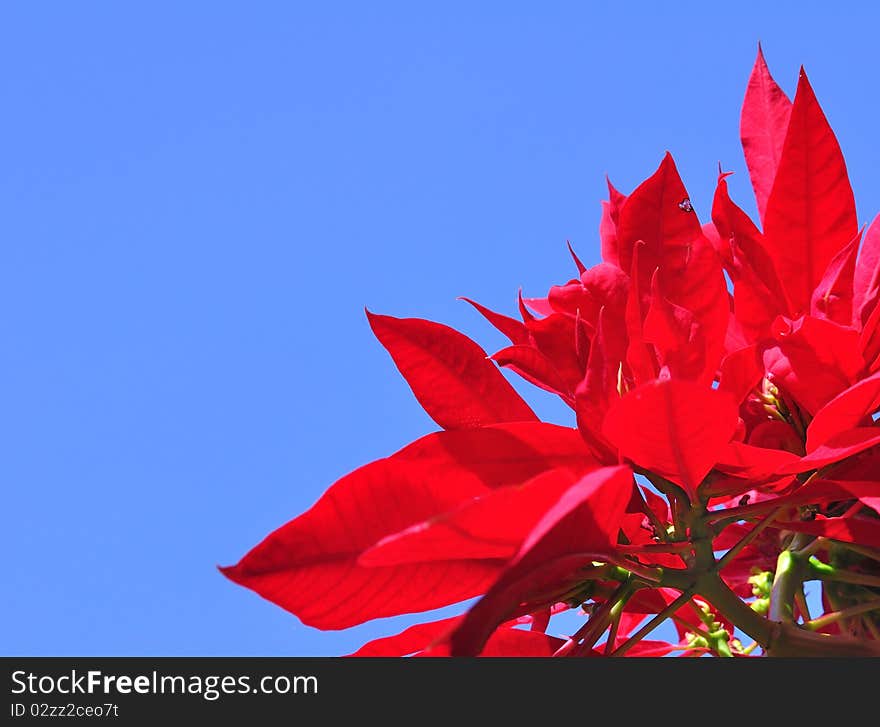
point(725, 451)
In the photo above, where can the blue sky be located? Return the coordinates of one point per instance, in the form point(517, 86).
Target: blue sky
point(199, 199)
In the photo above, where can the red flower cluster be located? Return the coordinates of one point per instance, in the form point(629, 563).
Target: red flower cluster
point(725, 452)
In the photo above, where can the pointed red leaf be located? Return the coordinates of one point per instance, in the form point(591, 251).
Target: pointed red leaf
point(862, 530)
point(608, 226)
point(845, 411)
point(822, 492)
point(659, 214)
point(741, 372)
point(869, 341)
point(449, 374)
point(750, 266)
point(409, 641)
point(763, 123)
point(556, 337)
point(836, 449)
point(581, 526)
point(581, 268)
point(813, 360)
point(310, 565)
point(866, 280)
point(660, 221)
point(811, 213)
point(493, 525)
point(503, 454)
point(640, 357)
point(535, 368)
point(677, 429)
point(754, 463)
point(600, 385)
point(507, 642)
point(608, 285)
point(512, 328)
point(676, 337)
point(833, 297)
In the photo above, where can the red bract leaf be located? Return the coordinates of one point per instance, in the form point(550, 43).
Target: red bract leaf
point(866, 279)
point(310, 565)
point(654, 215)
point(861, 530)
point(512, 328)
point(676, 337)
point(741, 372)
point(835, 449)
point(449, 374)
point(814, 359)
point(869, 341)
point(608, 226)
point(493, 525)
point(822, 492)
point(833, 297)
point(640, 356)
point(583, 524)
point(428, 640)
point(573, 299)
point(763, 123)
point(555, 336)
point(415, 638)
point(677, 429)
point(581, 268)
point(505, 642)
point(658, 218)
point(600, 385)
point(608, 286)
point(535, 368)
point(847, 410)
point(811, 213)
point(758, 293)
point(753, 463)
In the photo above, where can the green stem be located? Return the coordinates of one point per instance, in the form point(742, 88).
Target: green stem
point(776, 638)
point(789, 576)
point(829, 618)
point(616, 612)
point(602, 617)
point(652, 624)
point(825, 572)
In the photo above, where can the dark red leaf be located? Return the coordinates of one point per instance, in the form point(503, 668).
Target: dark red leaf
point(836, 449)
point(813, 360)
point(763, 123)
point(582, 525)
point(847, 410)
point(535, 368)
point(741, 372)
point(512, 328)
point(449, 374)
point(811, 213)
point(493, 525)
point(677, 429)
point(310, 565)
point(833, 297)
point(415, 638)
point(862, 530)
point(866, 279)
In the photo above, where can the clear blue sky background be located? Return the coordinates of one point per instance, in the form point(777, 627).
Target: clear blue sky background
point(198, 199)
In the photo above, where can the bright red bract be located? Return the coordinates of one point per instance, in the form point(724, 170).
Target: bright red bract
point(723, 449)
